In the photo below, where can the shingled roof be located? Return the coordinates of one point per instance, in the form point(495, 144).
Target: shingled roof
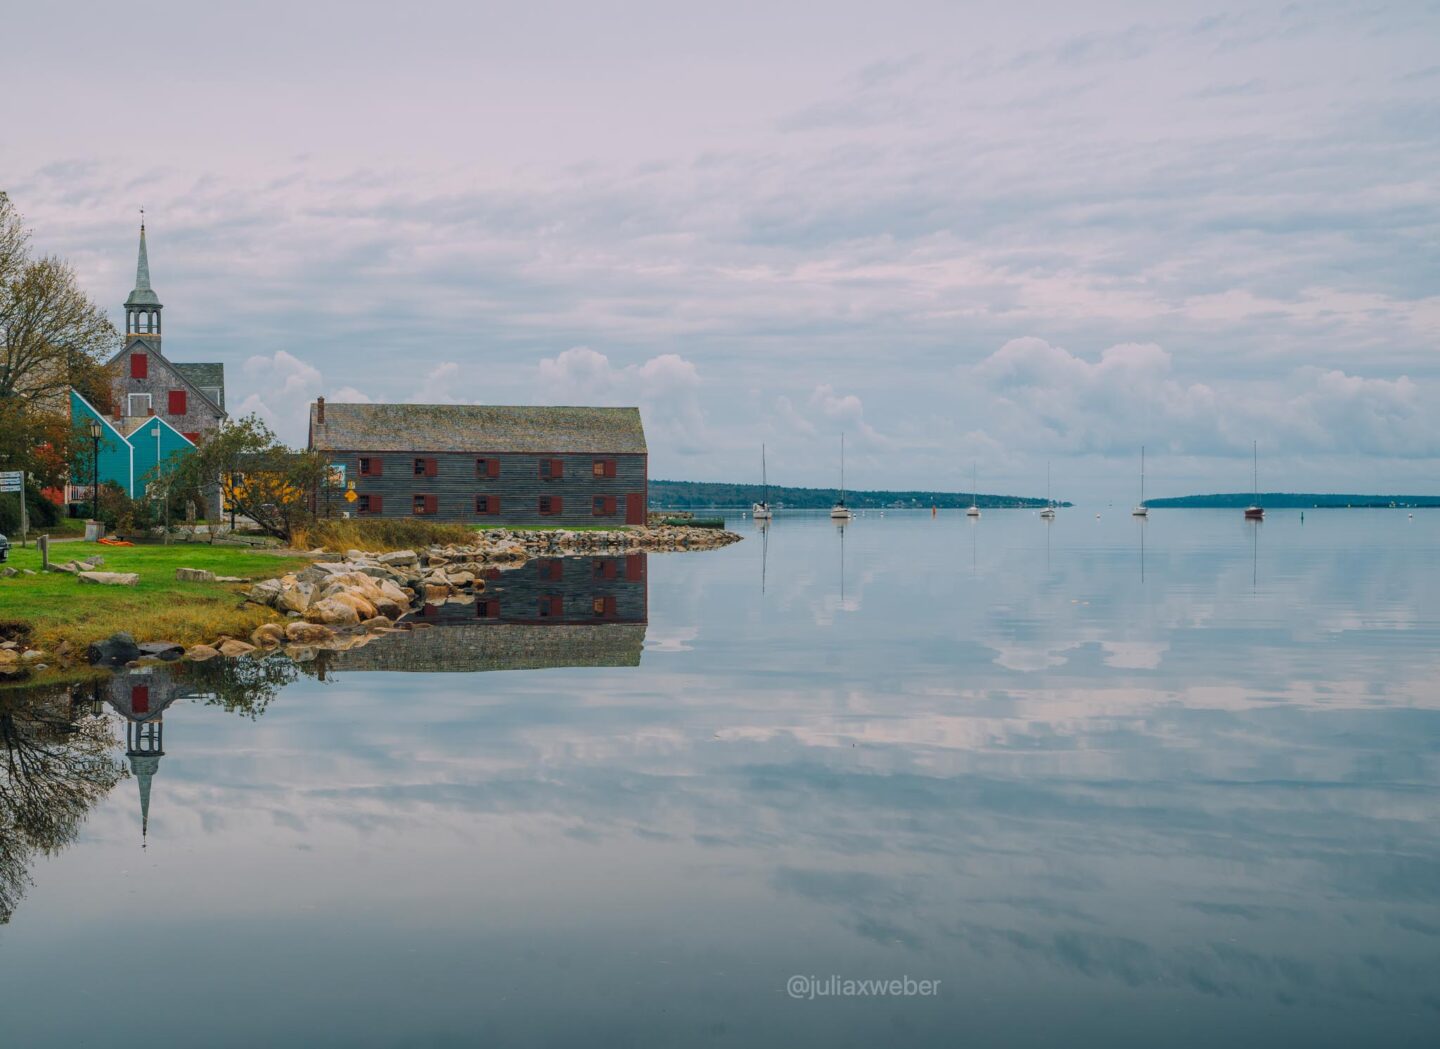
point(476, 428)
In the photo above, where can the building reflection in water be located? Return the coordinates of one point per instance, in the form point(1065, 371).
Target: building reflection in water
point(551, 612)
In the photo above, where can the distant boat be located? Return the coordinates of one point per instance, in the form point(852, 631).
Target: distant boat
point(1255, 512)
point(1049, 511)
point(761, 510)
point(1141, 510)
point(841, 512)
point(974, 510)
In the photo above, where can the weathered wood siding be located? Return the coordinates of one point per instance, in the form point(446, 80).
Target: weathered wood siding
point(519, 487)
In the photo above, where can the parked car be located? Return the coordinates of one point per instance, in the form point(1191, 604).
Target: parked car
point(4, 549)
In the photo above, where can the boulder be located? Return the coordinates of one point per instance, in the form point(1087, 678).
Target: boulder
point(232, 649)
point(377, 624)
point(8, 572)
point(268, 635)
point(116, 650)
point(364, 609)
point(194, 575)
point(32, 655)
point(399, 557)
point(307, 633)
point(459, 578)
point(200, 653)
point(295, 598)
point(8, 657)
point(436, 593)
point(109, 578)
point(301, 653)
point(264, 592)
point(166, 650)
point(332, 612)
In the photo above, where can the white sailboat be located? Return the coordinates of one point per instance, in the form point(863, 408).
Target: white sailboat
point(1255, 512)
point(1141, 510)
point(974, 510)
point(1049, 512)
point(841, 512)
point(761, 510)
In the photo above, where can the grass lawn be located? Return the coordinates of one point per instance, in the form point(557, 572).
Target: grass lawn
point(552, 528)
point(56, 606)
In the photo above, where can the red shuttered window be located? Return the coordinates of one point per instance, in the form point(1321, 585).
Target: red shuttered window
point(551, 504)
point(178, 402)
point(550, 569)
point(603, 568)
point(426, 504)
point(427, 468)
point(487, 504)
point(487, 467)
point(370, 504)
point(603, 606)
point(139, 366)
point(604, 505)
point(487, 609)
point(552, 469)
point(603, 468)
point(552, 606)
point(371, 466)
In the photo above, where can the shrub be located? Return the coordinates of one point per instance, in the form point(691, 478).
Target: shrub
point(339, 533)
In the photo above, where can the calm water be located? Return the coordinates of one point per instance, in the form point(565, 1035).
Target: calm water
point(1104, 795)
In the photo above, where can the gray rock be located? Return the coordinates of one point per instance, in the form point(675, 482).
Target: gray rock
point(264, 592)
point(166, 650)
point(194, 575)
point(109, 578)
point(116, 650)
point(8, 572)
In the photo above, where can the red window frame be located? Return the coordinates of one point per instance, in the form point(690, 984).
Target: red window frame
point(372, 466)
point(178, 403)
point(424, 505)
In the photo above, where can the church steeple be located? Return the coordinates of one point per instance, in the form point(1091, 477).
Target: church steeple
point(142, 308)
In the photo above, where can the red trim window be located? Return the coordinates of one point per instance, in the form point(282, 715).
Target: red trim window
point(603, 606)
point(603, 568)
point(604, 506)
point(139, 366)
point(487, 467)
point(426, 505)
point(603, 468)
point(550, 569)
point(370, 504)
point(426, 467)
point(178, 402)
point(552, 469)
point(487, 504)
point(552, 606)
point(551, 504)
point(487, 608)
point(371, 466)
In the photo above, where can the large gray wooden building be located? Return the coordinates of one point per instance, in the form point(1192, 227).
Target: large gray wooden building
point(486, 464)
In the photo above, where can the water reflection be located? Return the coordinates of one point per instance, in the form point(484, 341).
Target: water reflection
point(1144, 807)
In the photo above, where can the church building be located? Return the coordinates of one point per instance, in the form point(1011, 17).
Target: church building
point(161, 408)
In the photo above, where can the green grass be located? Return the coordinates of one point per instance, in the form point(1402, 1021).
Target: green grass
point(55, 606)
point(551, 528)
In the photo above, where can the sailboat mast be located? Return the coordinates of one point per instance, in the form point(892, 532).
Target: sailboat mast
point(764, 476)
point(842, 467)
point(1142, 475)
point(1255, 469)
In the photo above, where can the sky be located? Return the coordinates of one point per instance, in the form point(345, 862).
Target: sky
point(966, 236)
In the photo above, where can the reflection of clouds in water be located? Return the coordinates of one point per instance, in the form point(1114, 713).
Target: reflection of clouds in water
point(1134, 655)
point(670, 639)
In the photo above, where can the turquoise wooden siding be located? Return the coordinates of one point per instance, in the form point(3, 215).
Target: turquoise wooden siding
point(150, 449)
point(114, 449)
point(129, 463)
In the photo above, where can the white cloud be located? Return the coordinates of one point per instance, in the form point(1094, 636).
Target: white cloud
point(438, 386)
point(665, 388)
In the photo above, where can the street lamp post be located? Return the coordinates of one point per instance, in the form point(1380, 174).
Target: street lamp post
point(95, 432)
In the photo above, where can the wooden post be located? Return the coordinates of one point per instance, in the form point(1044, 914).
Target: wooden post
point(42, 543)
point(24, 512)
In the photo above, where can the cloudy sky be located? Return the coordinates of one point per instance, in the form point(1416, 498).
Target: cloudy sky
point(1004, 234)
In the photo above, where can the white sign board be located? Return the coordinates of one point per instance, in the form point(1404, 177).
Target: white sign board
point(13, 481)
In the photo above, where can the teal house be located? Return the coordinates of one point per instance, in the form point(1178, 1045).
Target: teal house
point(130, 460)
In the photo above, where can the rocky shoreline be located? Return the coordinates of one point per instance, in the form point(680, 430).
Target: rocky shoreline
point(343, 601)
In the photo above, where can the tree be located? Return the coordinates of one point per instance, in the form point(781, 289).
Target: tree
point(55, 764)
point(261, 478)
point(52, 338)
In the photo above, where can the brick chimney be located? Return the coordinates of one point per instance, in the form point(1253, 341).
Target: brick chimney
point(319, 411)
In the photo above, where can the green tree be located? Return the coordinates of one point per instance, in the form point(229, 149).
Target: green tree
point(260, 477)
